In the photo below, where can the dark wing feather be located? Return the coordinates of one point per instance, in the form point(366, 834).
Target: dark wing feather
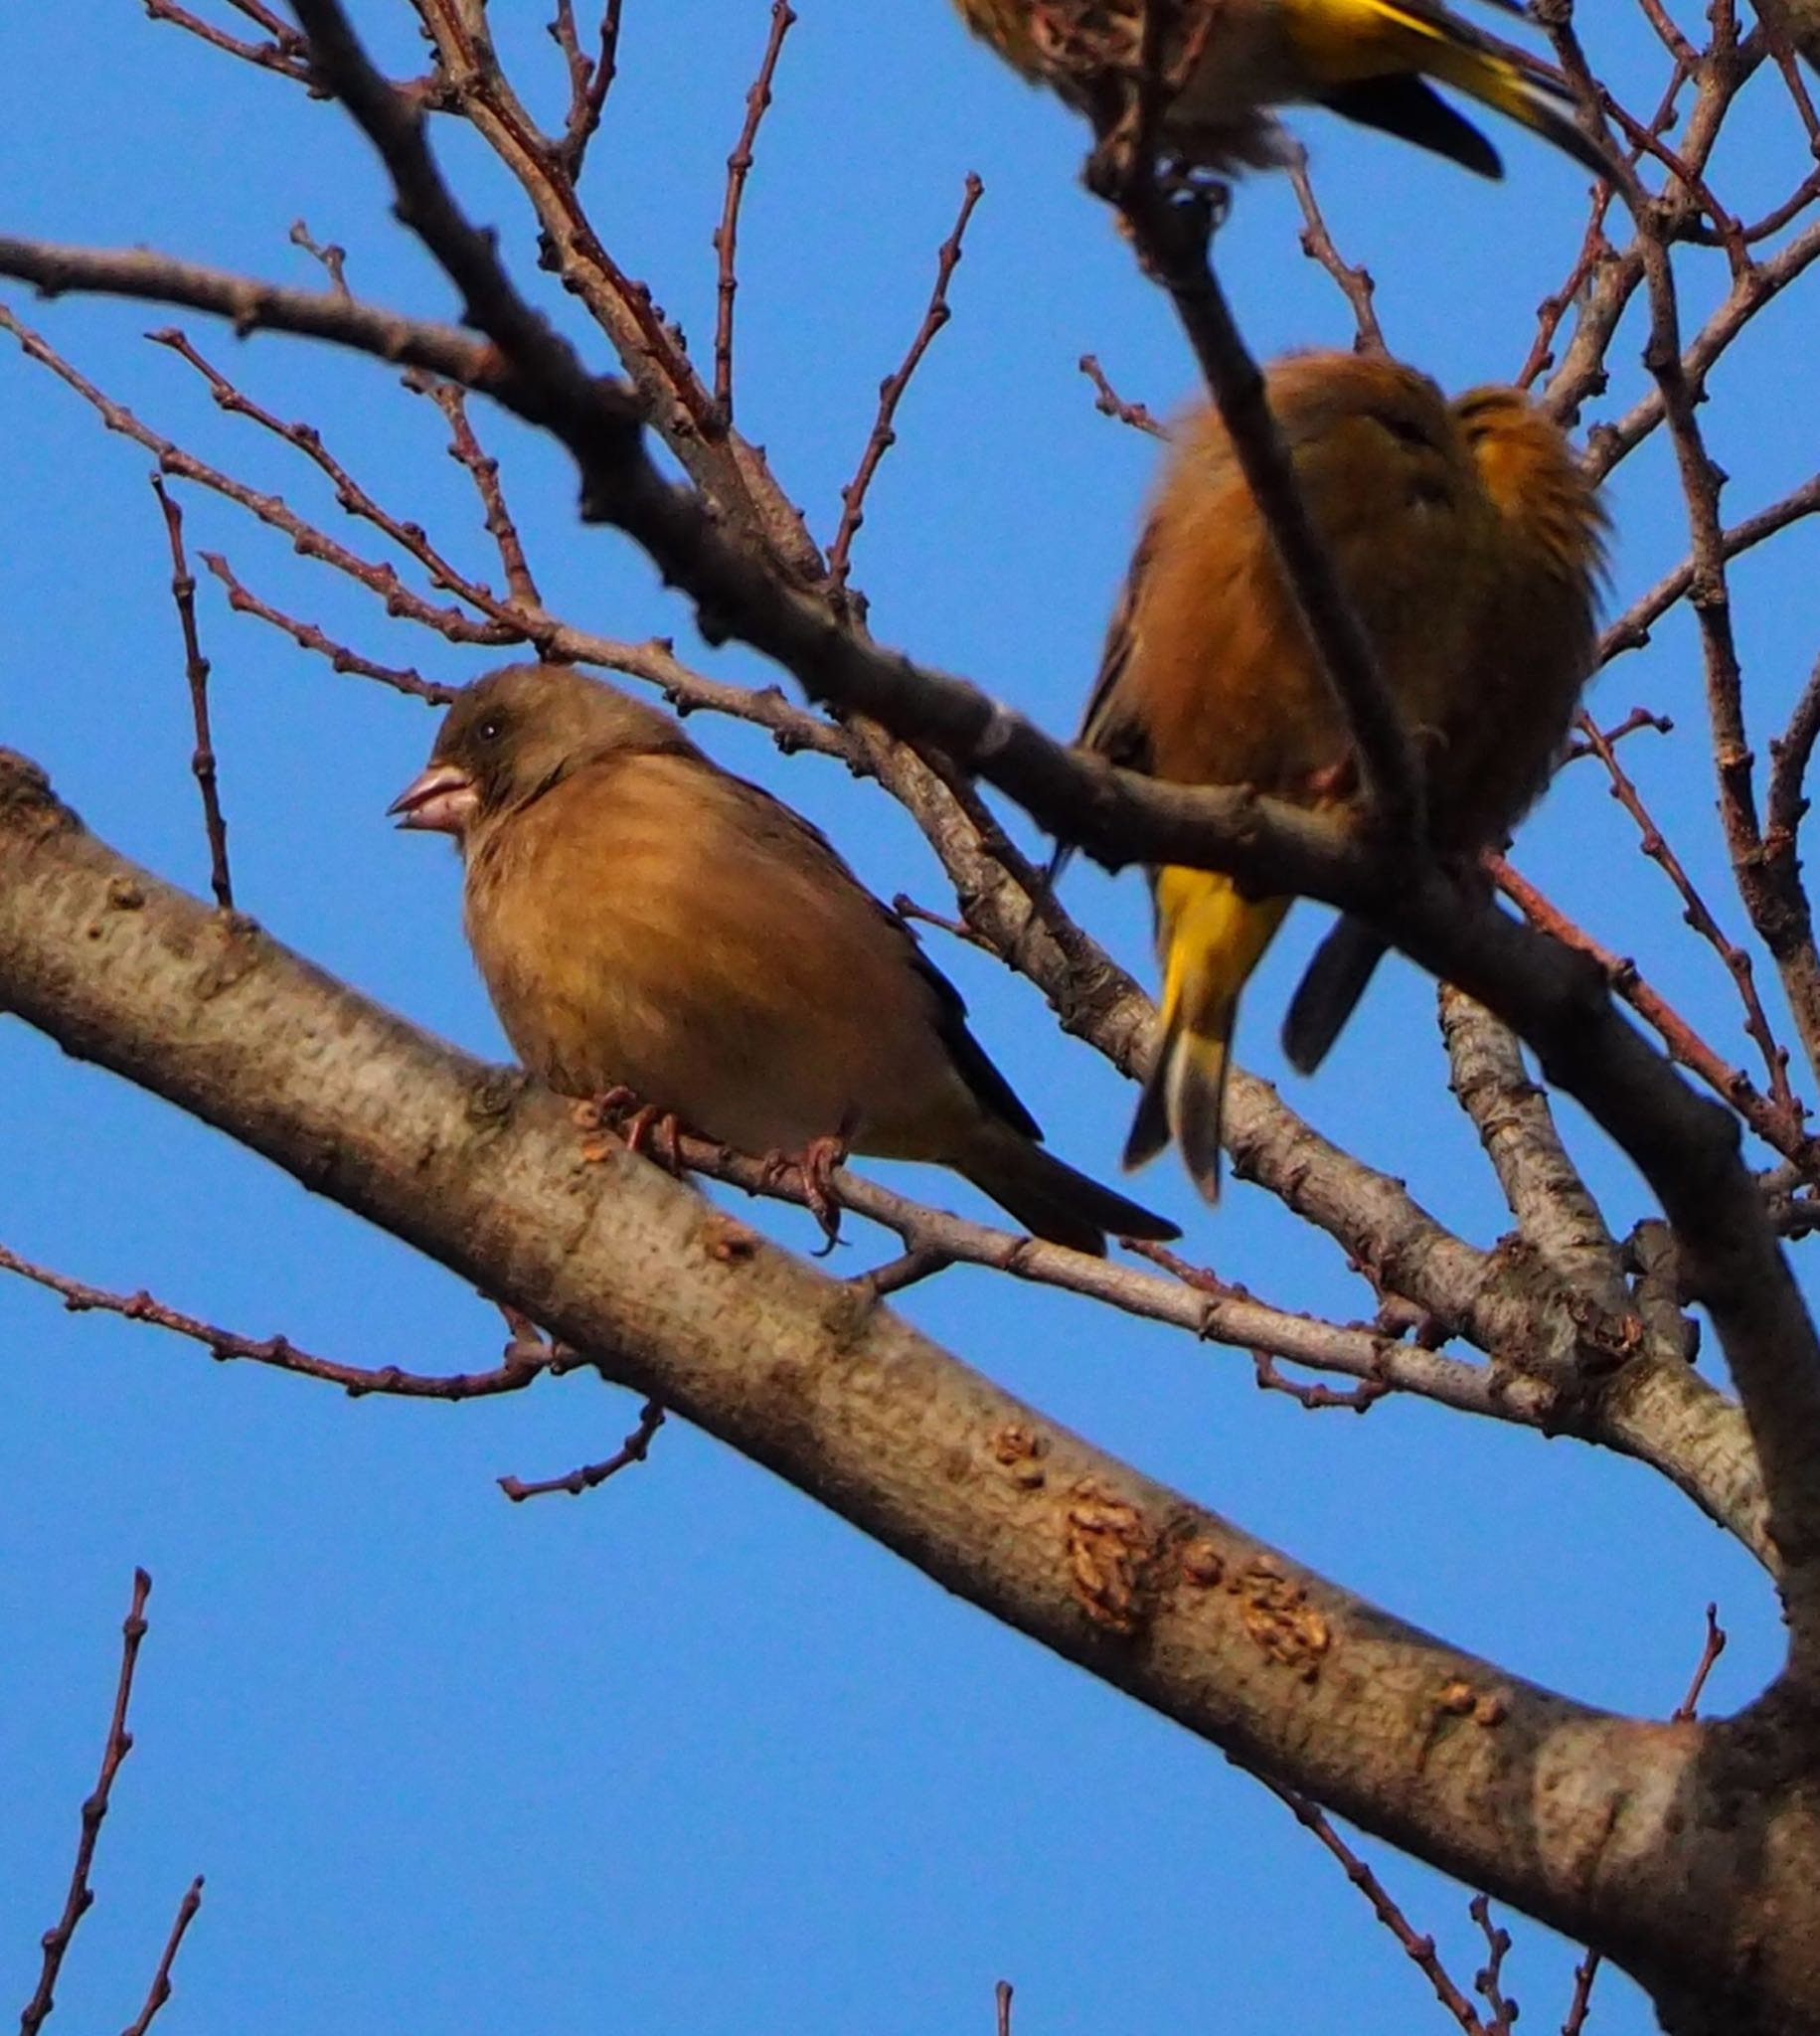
point(975, 1065)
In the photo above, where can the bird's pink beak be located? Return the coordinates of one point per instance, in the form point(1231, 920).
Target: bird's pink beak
point(439, 800)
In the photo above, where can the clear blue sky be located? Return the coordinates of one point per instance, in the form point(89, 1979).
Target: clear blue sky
point(690, 1755)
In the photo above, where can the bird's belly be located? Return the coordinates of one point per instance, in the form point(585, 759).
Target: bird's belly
point(735, 1068)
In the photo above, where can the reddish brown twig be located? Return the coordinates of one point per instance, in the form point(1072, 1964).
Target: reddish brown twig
point(1110, 403)
point(196, 670)
point(80, 1896)
point(1695, 911)
point(907, 906)
point(1714, 1647)
point(1488, 1982)
point(891, 390)
point(519, 1371)
point(634, 1449)
point(333, 258)
point(1638, 719)
point(1420, 1950)
point(590, 82)
point(309, 636)
point(1317, 1398)
point(1584, 1973)
point(1782, 1125)
point(350, 496)
point(1587, 1971)
point(1001, 1994)
point(160, 1989)
point(726, 234)
point(284, 54)
point(305, 537)
point(465, 450)
point(1354, 281)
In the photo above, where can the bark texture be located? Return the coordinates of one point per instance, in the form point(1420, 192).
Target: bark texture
point(1689, 1852)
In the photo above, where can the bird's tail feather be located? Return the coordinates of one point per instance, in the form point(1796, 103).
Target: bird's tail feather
point(1054, 1200)
point(1520, 87)
point(1211, 937)
point(1331, 985)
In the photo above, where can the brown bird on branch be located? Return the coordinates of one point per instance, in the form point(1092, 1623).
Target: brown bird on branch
point(1224, 63)
point(1467, 541)
point(644, 920)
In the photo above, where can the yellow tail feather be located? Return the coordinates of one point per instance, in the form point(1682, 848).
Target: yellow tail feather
point(1210, 937)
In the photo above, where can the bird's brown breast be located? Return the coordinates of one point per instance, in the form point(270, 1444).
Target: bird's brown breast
point(654, 923)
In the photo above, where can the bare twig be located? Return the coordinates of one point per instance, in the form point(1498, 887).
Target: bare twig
point(519, 1371)
point(334, 259)
point(1488, 1982)
point(1354, 281)
point(1110, 403)
point(891, 390)
point(196, 670)
point(284, 53)
point(465, 450)
point(634, 1449)
point(1714, 1647)
point(1418, 1949)
point(160, 1989)
point(1737, 962)
point(77, 1903)
point(726, 234)
point(590, 82)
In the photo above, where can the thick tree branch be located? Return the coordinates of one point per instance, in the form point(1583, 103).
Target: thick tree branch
point(1518, 1791)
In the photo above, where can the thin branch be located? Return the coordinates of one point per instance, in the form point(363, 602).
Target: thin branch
point(1419, 1951)
point(252, 304)
point(522, 1366)
point(160, 1990)
point(726, 234)
point(80, 1897)
point(1354, 281)
point(465, 450)
point(196, 670)
point(634, 1449)
point(590, 82)
point(1710, 1652)
point(1779, 1125)
point(284, 54)
point(1109, 404)
point(891, 390)
point(349, 497)
point(334, 259)
point(1488, 1982)
point(1737, 962)
point(312, 637)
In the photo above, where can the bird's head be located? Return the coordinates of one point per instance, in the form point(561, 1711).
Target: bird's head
point(514, 734)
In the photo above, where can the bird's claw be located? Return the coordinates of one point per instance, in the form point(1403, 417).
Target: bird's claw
point(814, 1167)
point(653, 1132)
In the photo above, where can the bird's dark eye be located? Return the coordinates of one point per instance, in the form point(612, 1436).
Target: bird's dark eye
point(490, 730)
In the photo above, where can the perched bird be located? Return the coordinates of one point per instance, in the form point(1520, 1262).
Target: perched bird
point(1465, 541)
point(644, 919)
point(1497, 739)
point(1225, 63)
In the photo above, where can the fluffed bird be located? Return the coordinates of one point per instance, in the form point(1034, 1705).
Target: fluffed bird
point(1531, 651)
point(1208, 676)
point(643, 919)
point(1225, 63)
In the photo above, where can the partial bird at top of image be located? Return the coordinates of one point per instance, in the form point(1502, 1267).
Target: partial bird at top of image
point(1226, 63)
